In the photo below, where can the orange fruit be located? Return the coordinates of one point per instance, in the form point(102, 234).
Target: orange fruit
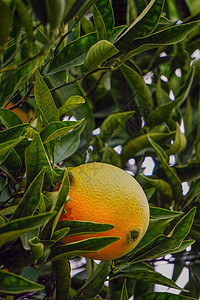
point(103, 193)
point(25, 117)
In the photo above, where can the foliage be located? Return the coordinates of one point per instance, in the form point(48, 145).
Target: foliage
point(92, 78)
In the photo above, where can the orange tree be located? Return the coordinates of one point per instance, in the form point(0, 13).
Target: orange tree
point(107, 82)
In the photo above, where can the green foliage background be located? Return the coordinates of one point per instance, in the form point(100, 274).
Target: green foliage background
point(130, 70)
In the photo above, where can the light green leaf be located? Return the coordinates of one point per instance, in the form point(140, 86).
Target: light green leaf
point(124, 293)
point(37, 247)
point(71, 103)
point(13, 229)
point(45, 101)
point(98, 54)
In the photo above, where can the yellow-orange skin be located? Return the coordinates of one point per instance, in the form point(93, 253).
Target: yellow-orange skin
point(103, 193)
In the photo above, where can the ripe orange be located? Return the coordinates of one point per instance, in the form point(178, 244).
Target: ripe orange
point(25, 117)
point(103, 193)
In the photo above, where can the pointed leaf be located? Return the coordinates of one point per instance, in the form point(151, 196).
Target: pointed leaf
point(45, 101)
point(36, 159)
point(13, 284)
point(99, 24)
point(6, 147)
point(80, 227)
point(15, 228)
point(114, 124)
point(31, 198)
point(9, 118)
point(106, 11)
point(12, 132)
point(169, 171)
point(95, 282)
point(179, 142)
point(162, 213)
point(145, 23)
point(124, 293)
point(162, 186)
point(98, 53)
point(82, 247)
point(163, 296)
point(73, 54)
point(71, 103)
point(58, 129)
point(141, 92)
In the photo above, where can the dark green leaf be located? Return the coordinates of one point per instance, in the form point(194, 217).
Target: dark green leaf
point(25, 18)
point(36, 159)
point(59, 234)
point(99, 24)
point(163, 296)
point(145, 23)
point(62, 270)
point(73, 54)
point(179, 142)
point(95, 282)
point(6, 19)
point(45, 101)
point(68, 144)
point(106, 11)
point(13, 132)
point(163, 112)
point(6, 147)
point(14, 284)
point(15, 228)
point(31, 198)
point(116, 32)
point(114, 124)
point(162, 213)
point(81, 248)
point(141, 92)
point(80, 227)
point(98, 54)
point(58, 129)
point(9, 118)
point(162, 186)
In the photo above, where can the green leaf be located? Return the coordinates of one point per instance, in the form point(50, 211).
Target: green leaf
point(45, 101)
point(77, 8)
point(37, 247)
point(71, 103)
point(163, 296)
point(98, 54)
point(142, 271)
point(57, 205)
point(73, 54)
point(12, 132)
point(141, 92)
point(106, 11)
point(9, 118)
point(31, 198)
point(99, 24)
point(169, 171)
point(20, 77)
point(62, 270)
point(114, 124)
point(13, 284)
point(81, 248)
point(58, 129)
point(179, 142)
point(68, 144)
point(124, 293)
point(6, 148)
point(169, 36)
point(143, 26)
point(59, 234)
point(80, 227)
point(162, 245)
point(116, 32)
point(25, 18)
point(162, 213)
point(13, 162)
point(15, 228)
point(6, 19)
point(36, 159)
point(142, 142)
point(161, 186)
point(164, 111)
point(95, 282)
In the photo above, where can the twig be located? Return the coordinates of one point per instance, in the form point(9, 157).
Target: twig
point(24, 99)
